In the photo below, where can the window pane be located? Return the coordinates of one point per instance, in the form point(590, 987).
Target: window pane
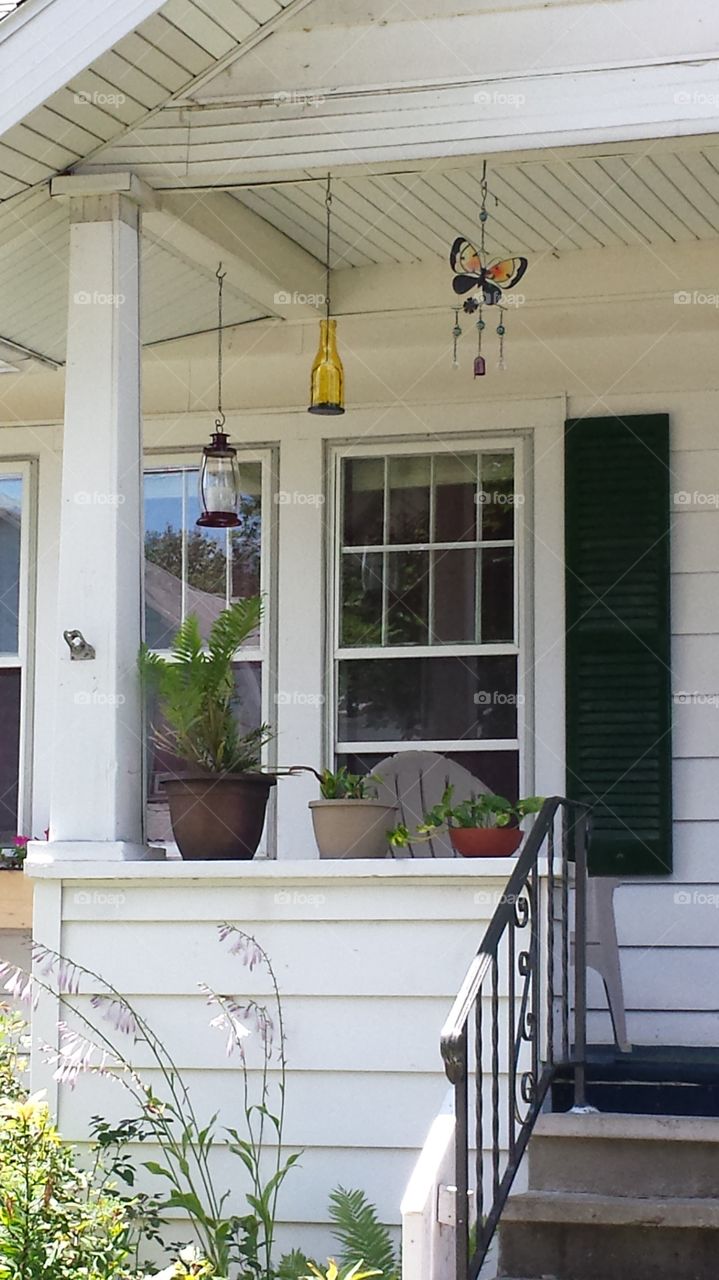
point(247, 540)
point(405, 699)
point(9, 751)
point(361, 618)
point(363, 502)
point(496, 496)
point(407, 597)
point(455, 592)
point(206, 562)
point(10, 518)
point(497, 570)
point(409, 480)
point(163, 557)
point(455, 507)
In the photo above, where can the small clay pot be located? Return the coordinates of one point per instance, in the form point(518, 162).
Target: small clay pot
point(485, 842)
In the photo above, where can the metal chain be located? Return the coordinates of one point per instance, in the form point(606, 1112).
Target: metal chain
point(328, 208)
point(220, 277)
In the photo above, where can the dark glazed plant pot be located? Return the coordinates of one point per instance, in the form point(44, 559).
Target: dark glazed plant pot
point(217, 815)
point(485, 842)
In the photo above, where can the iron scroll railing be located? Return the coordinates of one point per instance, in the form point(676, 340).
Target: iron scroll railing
point(519, 1017)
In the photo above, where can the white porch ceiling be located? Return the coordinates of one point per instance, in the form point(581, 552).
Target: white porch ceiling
point(178, 296)
point(123, 87)
point(652, 196)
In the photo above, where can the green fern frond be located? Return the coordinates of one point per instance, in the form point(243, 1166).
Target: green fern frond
point(360, 1233)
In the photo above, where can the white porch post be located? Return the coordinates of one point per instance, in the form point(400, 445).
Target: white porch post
point(97, 787)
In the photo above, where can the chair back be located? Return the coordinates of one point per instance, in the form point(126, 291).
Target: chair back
point(415, 782)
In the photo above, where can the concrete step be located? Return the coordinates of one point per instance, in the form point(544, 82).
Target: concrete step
point(577, 1236)
point(621, 1155)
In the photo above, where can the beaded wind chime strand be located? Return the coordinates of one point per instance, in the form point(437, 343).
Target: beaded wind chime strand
point(471, 271)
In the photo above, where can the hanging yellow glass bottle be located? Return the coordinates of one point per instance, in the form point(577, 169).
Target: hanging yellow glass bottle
point(327, 384)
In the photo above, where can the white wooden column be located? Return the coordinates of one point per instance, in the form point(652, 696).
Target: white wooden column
point(97, 786)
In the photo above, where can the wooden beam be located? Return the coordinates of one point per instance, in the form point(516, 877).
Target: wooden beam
point(268, 268)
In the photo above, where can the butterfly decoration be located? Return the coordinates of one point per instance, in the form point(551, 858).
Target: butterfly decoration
point(466, 263)
point(473, 270)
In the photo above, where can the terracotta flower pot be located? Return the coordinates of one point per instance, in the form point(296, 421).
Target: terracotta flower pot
point(217, 815)
point(352, 828)
point(485, 842)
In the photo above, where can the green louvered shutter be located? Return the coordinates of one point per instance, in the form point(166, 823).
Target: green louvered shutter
point(619, 757)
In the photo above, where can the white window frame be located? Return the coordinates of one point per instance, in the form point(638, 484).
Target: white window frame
point(26, 470)
point(265, 652)
point(389, 447)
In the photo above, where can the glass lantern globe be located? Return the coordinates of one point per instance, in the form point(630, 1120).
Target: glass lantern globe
point(219, 484)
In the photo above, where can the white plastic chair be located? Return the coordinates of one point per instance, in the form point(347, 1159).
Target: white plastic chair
point(415, 781)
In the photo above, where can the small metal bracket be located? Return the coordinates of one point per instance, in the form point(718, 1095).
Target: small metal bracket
point(447, 1206)
point(80, 650)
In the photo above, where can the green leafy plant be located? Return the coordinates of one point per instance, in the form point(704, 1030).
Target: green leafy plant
point(479, 811)
point(14, 1048)
point(196, 692)
point(360, 1233)
point(12, 856)
point(190, 1265)
point(54, 1223)
point(340, 784)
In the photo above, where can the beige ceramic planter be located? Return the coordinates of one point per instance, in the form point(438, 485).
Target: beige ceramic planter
point(15, 900)
point(352, 828)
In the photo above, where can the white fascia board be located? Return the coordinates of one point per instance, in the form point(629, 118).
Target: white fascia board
point(46, 43)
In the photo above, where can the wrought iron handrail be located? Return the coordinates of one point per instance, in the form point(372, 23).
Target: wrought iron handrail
point(536, 1042)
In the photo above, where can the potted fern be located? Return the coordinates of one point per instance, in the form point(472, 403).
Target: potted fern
point(217, 806)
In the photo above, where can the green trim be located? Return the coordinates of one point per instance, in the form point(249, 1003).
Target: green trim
point(619, 696)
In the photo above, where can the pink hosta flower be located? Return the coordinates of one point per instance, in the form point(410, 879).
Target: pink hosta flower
point(243, 945)
point(117, 1012)
point(76, 1056)
point(19, 983)
point(49, 963)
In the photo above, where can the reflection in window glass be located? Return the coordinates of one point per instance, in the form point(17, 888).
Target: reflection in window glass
point(10, 519)
point(425, 699)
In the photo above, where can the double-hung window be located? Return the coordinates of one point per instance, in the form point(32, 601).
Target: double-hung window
point(15, 485)
point(200, 571)
point(427, 639)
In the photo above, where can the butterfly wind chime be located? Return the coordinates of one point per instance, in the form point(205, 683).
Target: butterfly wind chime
point(471, 271)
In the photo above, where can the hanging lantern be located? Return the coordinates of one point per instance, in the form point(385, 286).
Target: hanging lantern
point(473, 271)
point(219, 473)
point(327, 382)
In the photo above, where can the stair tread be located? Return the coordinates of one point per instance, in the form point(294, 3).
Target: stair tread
point(617, 1125)
point(588, 1208)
